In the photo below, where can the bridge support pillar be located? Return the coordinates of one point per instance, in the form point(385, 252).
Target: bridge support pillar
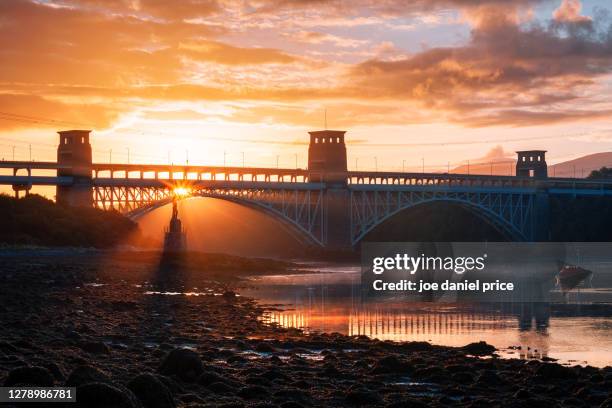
point(337, 219)
point(541, 231)
point(74, 152)
point(327, 163)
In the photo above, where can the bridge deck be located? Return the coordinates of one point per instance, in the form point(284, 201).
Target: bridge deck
point(279, 178)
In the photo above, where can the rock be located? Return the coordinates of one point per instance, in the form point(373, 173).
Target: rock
point(123, 306)
point(479, 349)
point(552, 370)
point(417, 346)
point(55, 370)
point(390, 365)
point(463, 378)
point(183, 363)
point(100, 395)
point(151, 392)
point(488, 378)
point(7, 347)
point(257, 380)
point(209, 377)
point(237, 360)
point(291, 404)
point(192, 399)
point(86, 374)
point(252, 392)
point(606, 404)
point(522, 394)
point(264, 348)
point(220, 388)
point(408, 402)
point(29, 376)
point(362, 397)
point(94, 347)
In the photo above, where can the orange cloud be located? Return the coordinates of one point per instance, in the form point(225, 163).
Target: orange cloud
point(28, 111)
point(121, 55)
point(570, 11)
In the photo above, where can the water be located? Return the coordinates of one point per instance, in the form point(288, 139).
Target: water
point(329, 300)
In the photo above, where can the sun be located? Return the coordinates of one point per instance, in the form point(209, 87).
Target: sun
point(181, 191)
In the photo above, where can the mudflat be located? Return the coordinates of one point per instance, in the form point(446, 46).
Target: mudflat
point(140, 330)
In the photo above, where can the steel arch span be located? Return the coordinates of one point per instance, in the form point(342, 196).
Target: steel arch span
point(300, 212)
point(512, 213)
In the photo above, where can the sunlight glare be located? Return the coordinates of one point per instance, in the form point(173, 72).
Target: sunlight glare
point(181, 191)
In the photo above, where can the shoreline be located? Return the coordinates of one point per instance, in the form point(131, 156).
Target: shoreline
point(115, 343)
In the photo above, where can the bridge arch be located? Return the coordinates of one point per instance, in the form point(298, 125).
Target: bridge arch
point(292, 225)
point(514, 227)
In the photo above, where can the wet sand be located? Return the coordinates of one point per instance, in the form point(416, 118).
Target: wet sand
point(110, 325)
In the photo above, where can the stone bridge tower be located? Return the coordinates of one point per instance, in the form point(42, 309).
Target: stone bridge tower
point(327, 164)
point(531, 163)
point(74, 154)
point(327, 156)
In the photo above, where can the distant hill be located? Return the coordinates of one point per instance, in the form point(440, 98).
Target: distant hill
point(580, 167)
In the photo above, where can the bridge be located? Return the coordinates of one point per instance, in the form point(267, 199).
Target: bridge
point(324, 205)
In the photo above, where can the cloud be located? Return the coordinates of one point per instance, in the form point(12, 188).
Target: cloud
point(314, 37)
point(497, 152)
point(168, 10)
point(570, 11)
point(212, 51)
point(122, 55)
point(377, 7)
point(506, 74)
point(37, 112)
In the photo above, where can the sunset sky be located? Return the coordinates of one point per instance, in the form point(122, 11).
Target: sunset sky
point(443, 80)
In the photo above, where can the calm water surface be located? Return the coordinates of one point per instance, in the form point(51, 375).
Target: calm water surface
point(329, 300)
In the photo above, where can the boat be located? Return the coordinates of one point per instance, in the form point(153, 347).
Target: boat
point(570, 276)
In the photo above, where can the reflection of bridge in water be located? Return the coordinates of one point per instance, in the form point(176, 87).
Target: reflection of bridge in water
point(416, 322)
point(523, 327)
point(324, 205)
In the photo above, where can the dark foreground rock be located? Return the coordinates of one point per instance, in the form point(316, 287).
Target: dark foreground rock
point(151, 391)
point(183, 363)
point(124, 348)
point(100, 395)
point(29, 376)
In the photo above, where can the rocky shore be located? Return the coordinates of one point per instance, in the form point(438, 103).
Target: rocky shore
point(117, 330)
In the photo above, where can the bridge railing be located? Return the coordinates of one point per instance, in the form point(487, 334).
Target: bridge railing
point(185, 172)
point(473, 180)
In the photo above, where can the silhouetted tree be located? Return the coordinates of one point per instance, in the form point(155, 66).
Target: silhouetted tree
point(603, 173)
point(36, 220)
